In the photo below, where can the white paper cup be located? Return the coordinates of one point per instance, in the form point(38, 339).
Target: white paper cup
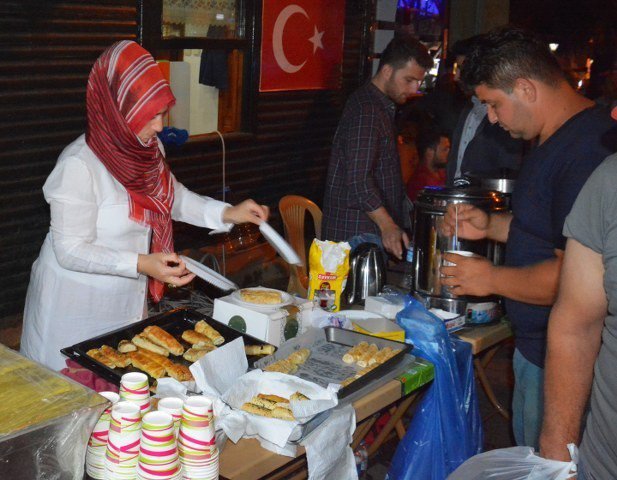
point(173, 406)
point(463, 253)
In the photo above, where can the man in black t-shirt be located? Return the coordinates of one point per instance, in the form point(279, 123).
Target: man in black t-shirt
point(520, 81)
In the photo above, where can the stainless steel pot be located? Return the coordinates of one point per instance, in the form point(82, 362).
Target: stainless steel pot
point(430, 244)
point(367, 273)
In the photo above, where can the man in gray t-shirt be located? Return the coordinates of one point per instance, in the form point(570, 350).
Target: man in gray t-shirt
point(582, 333)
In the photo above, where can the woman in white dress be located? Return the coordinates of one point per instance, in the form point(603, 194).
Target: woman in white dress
point(112, 198)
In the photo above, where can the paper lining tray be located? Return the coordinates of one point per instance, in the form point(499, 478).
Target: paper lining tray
point(325, 365)
point(174, 322)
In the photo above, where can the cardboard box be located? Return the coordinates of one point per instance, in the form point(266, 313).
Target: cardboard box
point(273, 326)
point(383, 306)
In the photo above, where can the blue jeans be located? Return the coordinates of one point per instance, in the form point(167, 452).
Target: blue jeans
point(527, 401)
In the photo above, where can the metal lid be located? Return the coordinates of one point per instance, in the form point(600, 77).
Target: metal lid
point(503, 185)
point(442, 196)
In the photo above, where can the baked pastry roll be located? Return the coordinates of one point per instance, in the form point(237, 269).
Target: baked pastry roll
point(163, 339)
point(100, 357)
point(262, 297)
point(125, 346)
point(205, 329)
point(299, 356)
point(380, 356)
point(143, 342)
point(119, 359)
point(174, 370)
point(259, 349)
point(256, 409)
point(367, 355)
point(145, 364)
point(355, 352)
point(298, 396)
point(195, 338)
point(193, 354)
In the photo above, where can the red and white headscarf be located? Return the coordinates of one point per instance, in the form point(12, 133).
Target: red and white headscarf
point(126, 90)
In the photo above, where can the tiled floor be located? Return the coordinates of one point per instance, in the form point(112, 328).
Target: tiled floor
point(497, 430)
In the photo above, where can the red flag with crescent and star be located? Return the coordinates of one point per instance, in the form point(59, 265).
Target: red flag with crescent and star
point(302, 44)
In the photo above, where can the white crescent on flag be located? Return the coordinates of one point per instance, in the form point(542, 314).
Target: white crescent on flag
point(277, 38)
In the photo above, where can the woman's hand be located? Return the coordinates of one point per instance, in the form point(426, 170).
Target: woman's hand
point(246, 211)
point(473, 223)
point(165, 267)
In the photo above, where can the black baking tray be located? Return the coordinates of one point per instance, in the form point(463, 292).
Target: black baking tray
point(174, 322)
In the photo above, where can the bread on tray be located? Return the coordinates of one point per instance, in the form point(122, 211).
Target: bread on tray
point(145, 343)
point(261, 297)
point(195, 338)
point(205, 329)
point(163, 339)
point(272, 406)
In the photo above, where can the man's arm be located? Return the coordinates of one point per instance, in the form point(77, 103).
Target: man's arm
point(574, 337)
point(499, 227)
point(536, 284)
point(473, 223)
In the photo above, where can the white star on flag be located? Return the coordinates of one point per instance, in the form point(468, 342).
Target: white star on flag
point(316, 40)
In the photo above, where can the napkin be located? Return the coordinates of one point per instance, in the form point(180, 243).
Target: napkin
point(328, 453)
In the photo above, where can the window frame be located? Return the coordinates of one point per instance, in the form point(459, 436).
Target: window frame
point(150, 36)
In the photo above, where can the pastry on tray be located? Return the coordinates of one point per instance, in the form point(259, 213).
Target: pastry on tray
point(100, 357)
point(195, 353)
point(144, 363)
point(121, 360)
point(145, 343)
point(272, 406)
point(259, 349)
point(125, 346)
point(196, 339)
point(261, 297)
point(163, 339)
point(174, 370)
point(205, 329)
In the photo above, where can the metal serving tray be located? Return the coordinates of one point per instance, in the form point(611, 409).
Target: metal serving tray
point(174, 322)
point(325, 365)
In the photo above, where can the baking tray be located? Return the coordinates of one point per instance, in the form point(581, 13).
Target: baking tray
point(325, 365)
point(174, 322)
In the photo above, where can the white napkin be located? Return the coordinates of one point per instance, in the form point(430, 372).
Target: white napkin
point(328, 453)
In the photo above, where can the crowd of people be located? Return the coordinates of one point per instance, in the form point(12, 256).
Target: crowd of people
point(506, 109)
point(519, 117)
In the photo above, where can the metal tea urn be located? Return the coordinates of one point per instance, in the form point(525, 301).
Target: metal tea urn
point(429, 241)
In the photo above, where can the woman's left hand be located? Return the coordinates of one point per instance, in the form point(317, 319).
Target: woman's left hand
point(246, 211)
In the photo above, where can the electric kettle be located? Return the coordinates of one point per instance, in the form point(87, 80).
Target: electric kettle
point(367, 273)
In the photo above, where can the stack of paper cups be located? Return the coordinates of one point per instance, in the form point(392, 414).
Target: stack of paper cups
point(158, 450)
point(196, 443)
point(95, 452)
point(123, 442)
point(173, 406)
point(134, 388)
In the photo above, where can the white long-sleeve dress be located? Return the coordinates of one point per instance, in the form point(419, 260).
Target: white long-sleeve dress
point(85, 280)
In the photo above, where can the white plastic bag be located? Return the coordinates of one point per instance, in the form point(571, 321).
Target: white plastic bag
point(516, 463)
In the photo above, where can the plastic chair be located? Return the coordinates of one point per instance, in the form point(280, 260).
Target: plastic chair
point(293, 210)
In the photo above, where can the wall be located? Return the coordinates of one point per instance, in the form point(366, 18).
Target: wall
point(47, 49)
point(471, 17)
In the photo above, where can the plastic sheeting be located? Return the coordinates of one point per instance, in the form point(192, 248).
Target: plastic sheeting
point(446, 428)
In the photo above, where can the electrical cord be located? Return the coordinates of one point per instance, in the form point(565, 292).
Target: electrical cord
point(224, 189)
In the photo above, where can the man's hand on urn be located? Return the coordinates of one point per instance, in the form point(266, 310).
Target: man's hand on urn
point(472, 222)
point(469, 275)
point(246, 211)
point(394, 240)
point(165, 267)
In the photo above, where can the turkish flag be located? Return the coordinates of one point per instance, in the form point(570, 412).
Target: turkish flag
point(302, 44)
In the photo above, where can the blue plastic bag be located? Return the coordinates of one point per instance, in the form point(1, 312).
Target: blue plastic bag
point(446, 428)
